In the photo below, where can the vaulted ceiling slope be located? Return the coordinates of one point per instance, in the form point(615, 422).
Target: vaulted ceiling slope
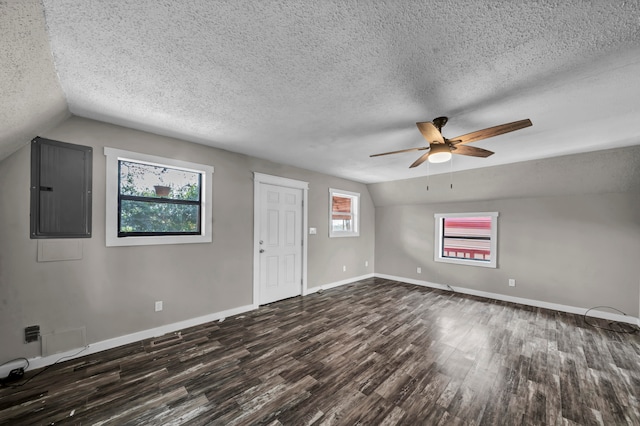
point(598, 172)
point(31, 99)
point(323, 84)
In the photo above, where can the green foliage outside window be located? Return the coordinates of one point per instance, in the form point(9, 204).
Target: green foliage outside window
point(144, 209)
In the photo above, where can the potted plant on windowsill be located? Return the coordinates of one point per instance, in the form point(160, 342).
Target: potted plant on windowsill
point(161, 190)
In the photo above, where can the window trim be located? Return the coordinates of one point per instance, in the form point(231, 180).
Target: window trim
point(438, 240)
point(355, 213)
point(112, 190)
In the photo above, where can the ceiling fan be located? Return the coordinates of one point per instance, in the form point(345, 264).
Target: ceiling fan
point(441, 148)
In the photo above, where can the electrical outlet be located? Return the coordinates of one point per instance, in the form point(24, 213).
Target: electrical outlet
point(344, 268)
point(366, 263)
point(158, 305)
point(512, 282)
point(419, 270)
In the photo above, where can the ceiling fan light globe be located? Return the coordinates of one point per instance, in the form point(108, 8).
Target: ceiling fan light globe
point(440, 157)
point(440, 154)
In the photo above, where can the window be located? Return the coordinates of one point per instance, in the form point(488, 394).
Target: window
point(343, 213)
point(155, 200)
point(467, 238)
point(158, 200)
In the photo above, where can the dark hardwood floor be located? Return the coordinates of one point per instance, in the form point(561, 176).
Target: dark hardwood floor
point(374, 352)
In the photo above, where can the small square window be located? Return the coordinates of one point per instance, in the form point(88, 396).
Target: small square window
point(466, 238)
point(343, 213)
point(155, 200)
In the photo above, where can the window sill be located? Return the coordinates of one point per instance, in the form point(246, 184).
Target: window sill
point(482, 264)
point(344, 234)
point(157, 240)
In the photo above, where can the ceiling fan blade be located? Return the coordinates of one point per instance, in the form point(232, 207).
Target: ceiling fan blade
point(420, 160)
point(401, 150)
point(472, 151)
point(430, 132)
point(490, 132)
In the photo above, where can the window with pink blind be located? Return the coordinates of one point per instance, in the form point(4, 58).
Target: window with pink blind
point(467, 238)
point(343, 213)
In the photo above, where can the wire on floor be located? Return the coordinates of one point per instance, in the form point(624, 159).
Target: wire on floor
point(14, 386)
point(615, 326)
point(11, 376)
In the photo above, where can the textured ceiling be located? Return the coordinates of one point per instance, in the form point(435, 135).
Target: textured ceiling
point(323, 84)
point(31, 100)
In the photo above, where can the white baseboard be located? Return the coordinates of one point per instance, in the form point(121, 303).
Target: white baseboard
point(530, 302)
point(92, 348)
point(339, 283)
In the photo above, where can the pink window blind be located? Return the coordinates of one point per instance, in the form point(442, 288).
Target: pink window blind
point(467, 238)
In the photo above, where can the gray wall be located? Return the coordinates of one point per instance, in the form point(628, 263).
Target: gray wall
point(569, 233)
point(112, 291)
point(579, 246)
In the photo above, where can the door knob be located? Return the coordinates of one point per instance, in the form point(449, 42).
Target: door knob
point(261, 250)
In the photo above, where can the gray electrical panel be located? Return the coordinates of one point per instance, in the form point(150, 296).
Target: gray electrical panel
point(60, 189)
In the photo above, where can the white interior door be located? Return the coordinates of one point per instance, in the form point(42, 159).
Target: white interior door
point(280, 245)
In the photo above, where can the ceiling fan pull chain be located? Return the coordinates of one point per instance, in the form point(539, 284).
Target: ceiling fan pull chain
point(427, 175)
point(451, 173)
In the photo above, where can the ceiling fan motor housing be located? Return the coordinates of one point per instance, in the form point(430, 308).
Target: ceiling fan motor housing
point(439, 122)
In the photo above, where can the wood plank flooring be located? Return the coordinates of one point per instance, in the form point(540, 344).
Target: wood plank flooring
point(376, 352)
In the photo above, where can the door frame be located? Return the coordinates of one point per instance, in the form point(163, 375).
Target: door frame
point(259, 179)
